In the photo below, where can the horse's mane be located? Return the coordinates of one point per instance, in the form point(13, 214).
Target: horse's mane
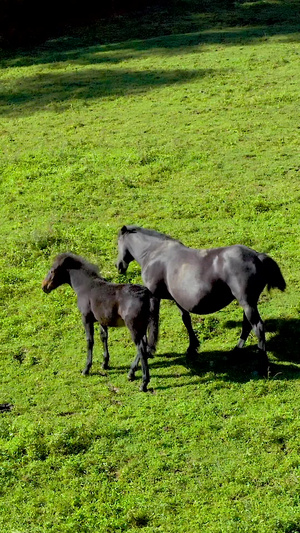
point(149, 232)
point(76, 261)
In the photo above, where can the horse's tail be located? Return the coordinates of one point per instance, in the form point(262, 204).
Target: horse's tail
point(274, 277)
point(153, 325)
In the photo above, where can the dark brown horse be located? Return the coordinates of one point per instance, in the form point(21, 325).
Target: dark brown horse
point(201, 281)
point(110, 304)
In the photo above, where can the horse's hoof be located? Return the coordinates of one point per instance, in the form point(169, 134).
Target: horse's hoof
point(131, 377)
point(85, 372)
point(191, 353)
point(143, 387)
point(105, 366)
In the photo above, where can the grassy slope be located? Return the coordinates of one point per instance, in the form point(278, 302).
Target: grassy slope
point(195, 134)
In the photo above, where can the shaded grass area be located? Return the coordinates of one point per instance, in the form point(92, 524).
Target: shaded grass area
point(194, 134)
point(159, 19)
point(58, 84)
point(265, 16)
point(44, 89)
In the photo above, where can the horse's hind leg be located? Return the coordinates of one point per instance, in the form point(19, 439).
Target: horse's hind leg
point(89, 330)
point(104, 337)
point(257, 325)
point(246, 328)
point(194, 342)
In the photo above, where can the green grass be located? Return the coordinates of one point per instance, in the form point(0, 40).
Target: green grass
point(194, 132)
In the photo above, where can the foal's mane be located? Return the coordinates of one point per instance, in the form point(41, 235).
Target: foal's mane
point(149, 232)
point(77, 262)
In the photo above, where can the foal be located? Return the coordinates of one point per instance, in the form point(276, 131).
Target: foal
point(110, 304)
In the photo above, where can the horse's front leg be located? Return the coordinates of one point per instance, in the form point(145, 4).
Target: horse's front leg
point(104, 337)
point(89, 330)
point(194, 342)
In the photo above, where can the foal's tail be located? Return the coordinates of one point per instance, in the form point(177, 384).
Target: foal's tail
point(153, 324)
point(274, 277)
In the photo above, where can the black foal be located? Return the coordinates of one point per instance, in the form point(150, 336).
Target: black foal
point(110, 304)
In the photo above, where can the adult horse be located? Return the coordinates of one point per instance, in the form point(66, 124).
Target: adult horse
point(201, 281)
point(110, 304)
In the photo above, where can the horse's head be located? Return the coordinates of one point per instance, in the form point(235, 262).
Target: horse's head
point(58, 273)
point(124, 255)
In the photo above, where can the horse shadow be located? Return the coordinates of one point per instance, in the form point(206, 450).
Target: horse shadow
point(239, 366)
point(223, 365)
point(242, 365)
point(284, 344)
point(229, 366)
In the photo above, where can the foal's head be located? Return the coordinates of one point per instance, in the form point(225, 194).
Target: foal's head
point(59, 273)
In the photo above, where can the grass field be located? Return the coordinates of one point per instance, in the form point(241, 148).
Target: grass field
point(193, 131)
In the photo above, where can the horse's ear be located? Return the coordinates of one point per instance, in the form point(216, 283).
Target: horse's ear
point(123, 230)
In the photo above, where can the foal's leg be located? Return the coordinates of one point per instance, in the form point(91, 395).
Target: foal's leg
point(246, 328)
point(89, 330)
point(194, 342)
point(142, 355)
point(104, 337)
point(133, 367)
